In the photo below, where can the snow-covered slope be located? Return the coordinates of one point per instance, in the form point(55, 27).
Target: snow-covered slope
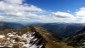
point(26, 40)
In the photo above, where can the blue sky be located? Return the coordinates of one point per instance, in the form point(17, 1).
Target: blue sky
point(47, 11)
point(58, 5)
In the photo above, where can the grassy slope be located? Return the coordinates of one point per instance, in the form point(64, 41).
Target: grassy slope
point(51, 41)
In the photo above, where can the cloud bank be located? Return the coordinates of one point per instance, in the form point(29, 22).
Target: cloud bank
point(18, 11)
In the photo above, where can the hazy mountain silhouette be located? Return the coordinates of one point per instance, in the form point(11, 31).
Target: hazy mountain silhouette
point(10, 25)
point(61, 29)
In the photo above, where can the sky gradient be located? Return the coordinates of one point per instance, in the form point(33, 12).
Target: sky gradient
point(48, 11)
point(58, 5)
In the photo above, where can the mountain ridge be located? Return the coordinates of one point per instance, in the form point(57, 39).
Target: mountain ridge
point(10, 25)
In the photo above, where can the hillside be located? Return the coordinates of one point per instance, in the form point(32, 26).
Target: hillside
point(24, 38)
point(78, 38)
point(10, 25)
point(50, 39)
point(62, 30)
point(52, 42)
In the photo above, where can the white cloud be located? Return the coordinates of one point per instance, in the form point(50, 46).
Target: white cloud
point(1, 18)
point(81, 12)
point(80, 15)
point(63, 14)
point(14, 1)
point(16, 10)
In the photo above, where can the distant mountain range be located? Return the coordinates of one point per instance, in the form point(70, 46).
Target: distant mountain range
point(10, 25)
point(71, 33)
point(60, 29)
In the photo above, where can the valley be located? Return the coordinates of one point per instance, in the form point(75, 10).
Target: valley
point(39, 36)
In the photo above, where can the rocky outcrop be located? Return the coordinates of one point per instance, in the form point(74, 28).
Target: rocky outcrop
point(29, 39)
